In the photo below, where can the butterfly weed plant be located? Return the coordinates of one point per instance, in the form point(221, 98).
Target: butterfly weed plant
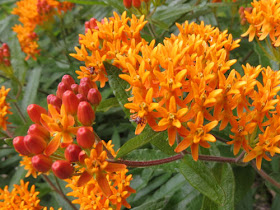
point(141, 104)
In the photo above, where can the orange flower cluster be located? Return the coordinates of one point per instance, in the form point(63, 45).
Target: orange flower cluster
point(264, 21)
point(20, 197)
point(181, 86)
point(110, 187)
point(32, 13)
point(4, 108)
point(107, 40)
point(63, 137)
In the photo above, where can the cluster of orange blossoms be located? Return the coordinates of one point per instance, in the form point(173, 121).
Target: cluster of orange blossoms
point(4, 107)
point(264, 21)
point(62, 140)
point(181, 85)
point(20, 198)
point(32, 13)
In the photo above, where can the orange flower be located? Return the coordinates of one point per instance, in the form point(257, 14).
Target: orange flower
point(241, 130)
point(61, 127)
point(20, 197)
point(97, 165)
point(172, 119)
point(4, 108)
point(107, 186)
point(264, 21)
point(267, 142)
point(198, 135)
point(143, 109)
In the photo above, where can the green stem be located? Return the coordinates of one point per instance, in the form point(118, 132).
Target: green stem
point(59, 191)
point(264, 175)
point(20, 112)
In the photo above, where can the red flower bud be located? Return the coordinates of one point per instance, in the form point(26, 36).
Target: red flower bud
point(94, 97)
point(82, 157)
point(136, 3)
point(55, 101)
point(75, 88)
point(61, 88)
point(127, 3)
point(35, 144)
point(34, 111)
point(70, 101)
point(84, 88)
point(38, 130)
point(41, 163)
point(81, 97)
point(72, 152)
point(87, 80)
point(85, 137)
point(62, 169)
point(6, 53)
point(68, 80)
point(85, 113)
point(20, 146)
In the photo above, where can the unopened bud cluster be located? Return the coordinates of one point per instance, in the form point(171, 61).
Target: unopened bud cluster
point(5, 55)
point(63, 141)
point(64, 129)
point(135, 3)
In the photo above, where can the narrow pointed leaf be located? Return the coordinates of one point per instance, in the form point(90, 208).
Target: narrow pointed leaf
point(202, 179)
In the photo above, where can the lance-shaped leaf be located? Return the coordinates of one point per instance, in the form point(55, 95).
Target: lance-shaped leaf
point(118, 86)
point(138, 141)
point(202, 179)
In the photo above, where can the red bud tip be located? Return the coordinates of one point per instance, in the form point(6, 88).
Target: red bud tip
point(81, 97)
point(35, 144)
point(34, 111)
point(82, 157)
point(127, 3)
point(85, 137)
point(136, 3)
point(38, 130)
point(53, 100)
point(61, 88)
point(75, 88)
point(62, 169)
point(70, 101)
point(41, 163)
point(94, 97)
point(68, 80)
point(84, 88)
point(72, 152)
point(20, 146)
point(86, 114)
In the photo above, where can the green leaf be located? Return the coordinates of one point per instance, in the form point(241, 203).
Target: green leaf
point(116, 140)
point(32, 87)
point(242, 186)
point(9, 141)
point(18, 175)
point(155, 204)
point(140, 197)
point(202, 179)
point(224, 176)
point(118, 85)
point(162, 145)
point(107, 104)
point(139, 141)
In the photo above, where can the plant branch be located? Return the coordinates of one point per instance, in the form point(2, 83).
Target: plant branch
point(130, 163)
point(59, 191)
point(264, 175)
point(220, 138)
